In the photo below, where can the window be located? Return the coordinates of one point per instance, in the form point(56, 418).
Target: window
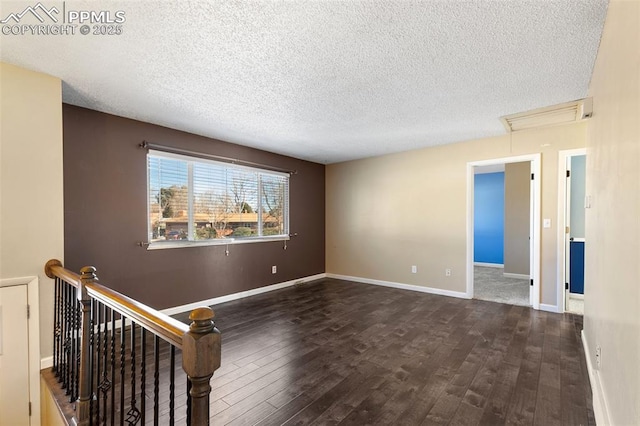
point(197, 201)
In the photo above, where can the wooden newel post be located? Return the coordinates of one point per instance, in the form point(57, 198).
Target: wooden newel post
point(84, 380)
point(200, 358)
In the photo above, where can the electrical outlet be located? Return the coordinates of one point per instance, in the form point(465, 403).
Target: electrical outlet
point(598, 356)
point(274, 269)
point(447, 272)
point(414, 269)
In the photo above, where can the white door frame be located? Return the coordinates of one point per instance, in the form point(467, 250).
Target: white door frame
point(534, 244)
point(563, 157)
point(34, 340)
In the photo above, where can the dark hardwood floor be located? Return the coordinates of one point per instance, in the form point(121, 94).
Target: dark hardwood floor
point(334, 352)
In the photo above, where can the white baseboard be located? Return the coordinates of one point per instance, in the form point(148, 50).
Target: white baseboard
point(549, 308)
point(489, 265)
point(576, 296)
point(519, 276)
point(46, 362)
point(600, 410)
point(402, 286)
point(235, 296)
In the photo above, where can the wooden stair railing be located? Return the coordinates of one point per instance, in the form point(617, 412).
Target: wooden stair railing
point(92, 324)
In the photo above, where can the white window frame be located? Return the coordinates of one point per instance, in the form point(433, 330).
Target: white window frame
point(191, 160)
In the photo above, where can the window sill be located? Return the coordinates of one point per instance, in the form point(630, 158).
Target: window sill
point(161, 245)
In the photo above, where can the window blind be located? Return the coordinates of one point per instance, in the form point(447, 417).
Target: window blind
point(194, 199)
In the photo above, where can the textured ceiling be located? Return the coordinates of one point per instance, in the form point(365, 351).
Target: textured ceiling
point(325, 81)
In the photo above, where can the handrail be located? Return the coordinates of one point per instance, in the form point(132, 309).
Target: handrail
point(161, 324)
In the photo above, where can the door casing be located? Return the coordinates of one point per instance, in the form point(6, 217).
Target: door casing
point(563, 208)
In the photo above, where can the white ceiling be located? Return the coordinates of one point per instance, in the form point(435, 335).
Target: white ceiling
point(325, 81)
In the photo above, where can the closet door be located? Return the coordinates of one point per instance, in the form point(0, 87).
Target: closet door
point(14, 356)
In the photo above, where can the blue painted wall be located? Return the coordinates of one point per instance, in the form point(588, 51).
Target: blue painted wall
point(488, 236)
point(576, 266)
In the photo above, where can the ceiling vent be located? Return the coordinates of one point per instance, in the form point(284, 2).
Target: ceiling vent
point(568, 112)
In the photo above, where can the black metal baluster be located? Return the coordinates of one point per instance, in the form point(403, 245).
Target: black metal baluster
point(188, 401)
point(123, 321)
point(67, 339)
point(172, 384)
point(98, 352)
point(156, 378)
point(72, 359)
point(70, 321)
point(60, 329)
point(92, 356)
point(104, 382)
point(56, 325)
point(113, 367)
point(133, 415)
point(72, 343)
point(143, 374)
point(62, 337)
point(78, 342)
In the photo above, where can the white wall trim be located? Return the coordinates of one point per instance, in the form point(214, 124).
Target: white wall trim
point(240, 295)
point(549, 308)
point(518, 276)
point(46, 362)
point(536, 168)
point(489, 265)
point(33, 299)
point(402, 286)
point(562, 199)
point(600, 406)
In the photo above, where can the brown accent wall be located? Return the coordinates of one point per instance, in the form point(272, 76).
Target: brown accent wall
point(105, 215)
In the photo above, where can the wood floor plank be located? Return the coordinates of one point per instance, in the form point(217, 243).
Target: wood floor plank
point(329, 398)
point(287, 411)
point(495, 411)
point(425, 399)
point(349, 402)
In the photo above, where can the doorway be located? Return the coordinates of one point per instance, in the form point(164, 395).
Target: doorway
point(501, 233)
point(531, 237)
point(572, 203)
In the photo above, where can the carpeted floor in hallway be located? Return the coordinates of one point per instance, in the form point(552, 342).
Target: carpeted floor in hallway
point(490, 284)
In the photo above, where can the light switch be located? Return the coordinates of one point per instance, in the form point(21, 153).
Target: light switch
point(546, 223)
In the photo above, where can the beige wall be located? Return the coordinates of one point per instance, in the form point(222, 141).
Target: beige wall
point(50, 414)
point(387, 213)
point(31, 197)
point(517, 187)
point(612, 224)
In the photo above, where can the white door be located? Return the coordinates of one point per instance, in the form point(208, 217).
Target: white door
point(14, 356)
